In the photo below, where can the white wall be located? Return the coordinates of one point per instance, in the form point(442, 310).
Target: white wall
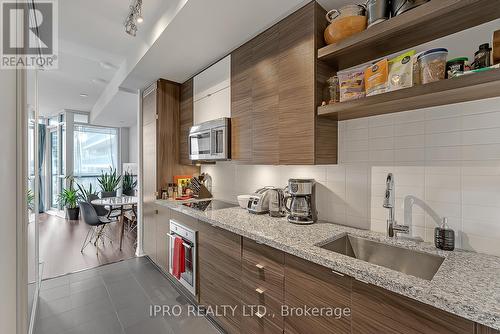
point(132, 146)
point(447, 156)
point(8, 199)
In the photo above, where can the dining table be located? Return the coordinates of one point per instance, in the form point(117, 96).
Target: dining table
point(122, 202)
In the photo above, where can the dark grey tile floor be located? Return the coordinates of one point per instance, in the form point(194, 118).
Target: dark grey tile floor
point(115, 298)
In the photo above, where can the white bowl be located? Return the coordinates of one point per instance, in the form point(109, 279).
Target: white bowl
point(243, 201)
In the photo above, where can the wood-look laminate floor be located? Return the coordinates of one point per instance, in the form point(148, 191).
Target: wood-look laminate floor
point(60, 241)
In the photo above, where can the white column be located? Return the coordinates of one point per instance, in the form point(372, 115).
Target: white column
point(8, 252)
point(140, 227)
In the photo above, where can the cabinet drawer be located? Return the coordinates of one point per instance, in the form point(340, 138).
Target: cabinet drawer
point(268, 257)
point(263, 277)
point(255, 325)
point(255, 294)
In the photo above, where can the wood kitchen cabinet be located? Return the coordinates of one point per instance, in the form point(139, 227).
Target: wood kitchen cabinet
point(149, 213)
point(162, 240)
point(276, 85)
point(161, 138)
point(156, 227)
point(480, 329)
point(311, 285)
point(186, 121)
point(376, 310)
point(262, 286)
point(219, 263)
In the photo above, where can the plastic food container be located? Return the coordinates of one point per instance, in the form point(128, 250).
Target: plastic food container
point(432, 65)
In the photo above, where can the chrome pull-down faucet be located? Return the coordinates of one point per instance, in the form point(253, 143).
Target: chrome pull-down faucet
point(389, 203)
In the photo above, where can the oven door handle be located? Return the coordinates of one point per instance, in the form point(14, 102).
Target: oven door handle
point(185, 244)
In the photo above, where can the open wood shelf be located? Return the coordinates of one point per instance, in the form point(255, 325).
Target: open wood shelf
point(435, 19)
point(462, 89)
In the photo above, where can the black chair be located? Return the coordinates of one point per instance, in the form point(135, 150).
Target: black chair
point(102, 211)
point(96, 223)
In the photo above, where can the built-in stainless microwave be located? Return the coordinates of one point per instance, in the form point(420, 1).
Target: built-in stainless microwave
point(210, 141)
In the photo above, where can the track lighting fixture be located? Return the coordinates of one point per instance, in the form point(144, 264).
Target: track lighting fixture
point(134, 18)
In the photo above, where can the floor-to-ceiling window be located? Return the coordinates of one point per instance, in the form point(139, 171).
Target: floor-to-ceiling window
point(96, 149)
point(56, 166)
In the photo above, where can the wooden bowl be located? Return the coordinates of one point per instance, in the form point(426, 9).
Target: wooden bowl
point(344, 27)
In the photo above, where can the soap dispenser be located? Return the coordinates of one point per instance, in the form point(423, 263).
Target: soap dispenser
point(444, 237)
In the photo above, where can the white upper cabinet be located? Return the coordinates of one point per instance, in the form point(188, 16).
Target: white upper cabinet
point(212, 92)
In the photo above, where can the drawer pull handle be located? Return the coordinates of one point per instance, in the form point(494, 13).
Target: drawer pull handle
point(337, 273)
point(259, 291)
point(259, 315)
point(259, 266)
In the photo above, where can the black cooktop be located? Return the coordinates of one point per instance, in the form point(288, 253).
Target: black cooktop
point(210, 205)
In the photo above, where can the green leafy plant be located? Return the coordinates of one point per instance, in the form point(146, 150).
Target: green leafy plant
point(69, 196)
point(30, 197)
point(86, 194)
point(129, 183)
point(109, 181)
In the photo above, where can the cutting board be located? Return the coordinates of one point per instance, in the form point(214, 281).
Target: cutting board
point(496, 47)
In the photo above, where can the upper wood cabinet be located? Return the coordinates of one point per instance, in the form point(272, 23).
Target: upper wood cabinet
point(186, 121)
point(276, 85)
point(161, 138)
point(212, 92)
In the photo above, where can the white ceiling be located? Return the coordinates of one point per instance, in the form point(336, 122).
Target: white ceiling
point(92, 32)
point(121, 111)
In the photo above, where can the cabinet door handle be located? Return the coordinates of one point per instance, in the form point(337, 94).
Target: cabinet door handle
point(259, 266)
point(156, 212)
point(259, 315)
point(337, 273)
point(259, 291)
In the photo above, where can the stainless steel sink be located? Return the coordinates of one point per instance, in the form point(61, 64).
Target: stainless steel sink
point(404, 260)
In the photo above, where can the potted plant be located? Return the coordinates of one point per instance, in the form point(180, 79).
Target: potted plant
point(69, 199)
point(129, 184)
point(86, 195)
point(109, 183)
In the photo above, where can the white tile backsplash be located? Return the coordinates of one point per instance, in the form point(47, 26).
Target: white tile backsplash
point(447, 156)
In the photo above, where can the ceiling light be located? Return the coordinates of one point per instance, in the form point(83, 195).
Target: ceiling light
point(134, 17)
point(84, 95)
point(107, 66)
point(99, 81)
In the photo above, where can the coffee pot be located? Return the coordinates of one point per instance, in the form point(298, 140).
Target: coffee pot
point(299, 201)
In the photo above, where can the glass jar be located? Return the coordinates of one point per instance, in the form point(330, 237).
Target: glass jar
point(333, 89)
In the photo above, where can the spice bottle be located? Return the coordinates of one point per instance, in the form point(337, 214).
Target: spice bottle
point(333, 89)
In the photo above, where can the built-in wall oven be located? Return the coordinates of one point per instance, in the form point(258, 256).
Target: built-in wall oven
point(210, 141)
point(189, 240)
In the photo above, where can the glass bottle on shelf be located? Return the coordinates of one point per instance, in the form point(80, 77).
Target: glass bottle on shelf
point(333, 89)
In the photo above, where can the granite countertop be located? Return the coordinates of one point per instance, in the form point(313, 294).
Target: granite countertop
point(467, 284)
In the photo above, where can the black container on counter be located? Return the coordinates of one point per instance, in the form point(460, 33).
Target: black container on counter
point(444, 237)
